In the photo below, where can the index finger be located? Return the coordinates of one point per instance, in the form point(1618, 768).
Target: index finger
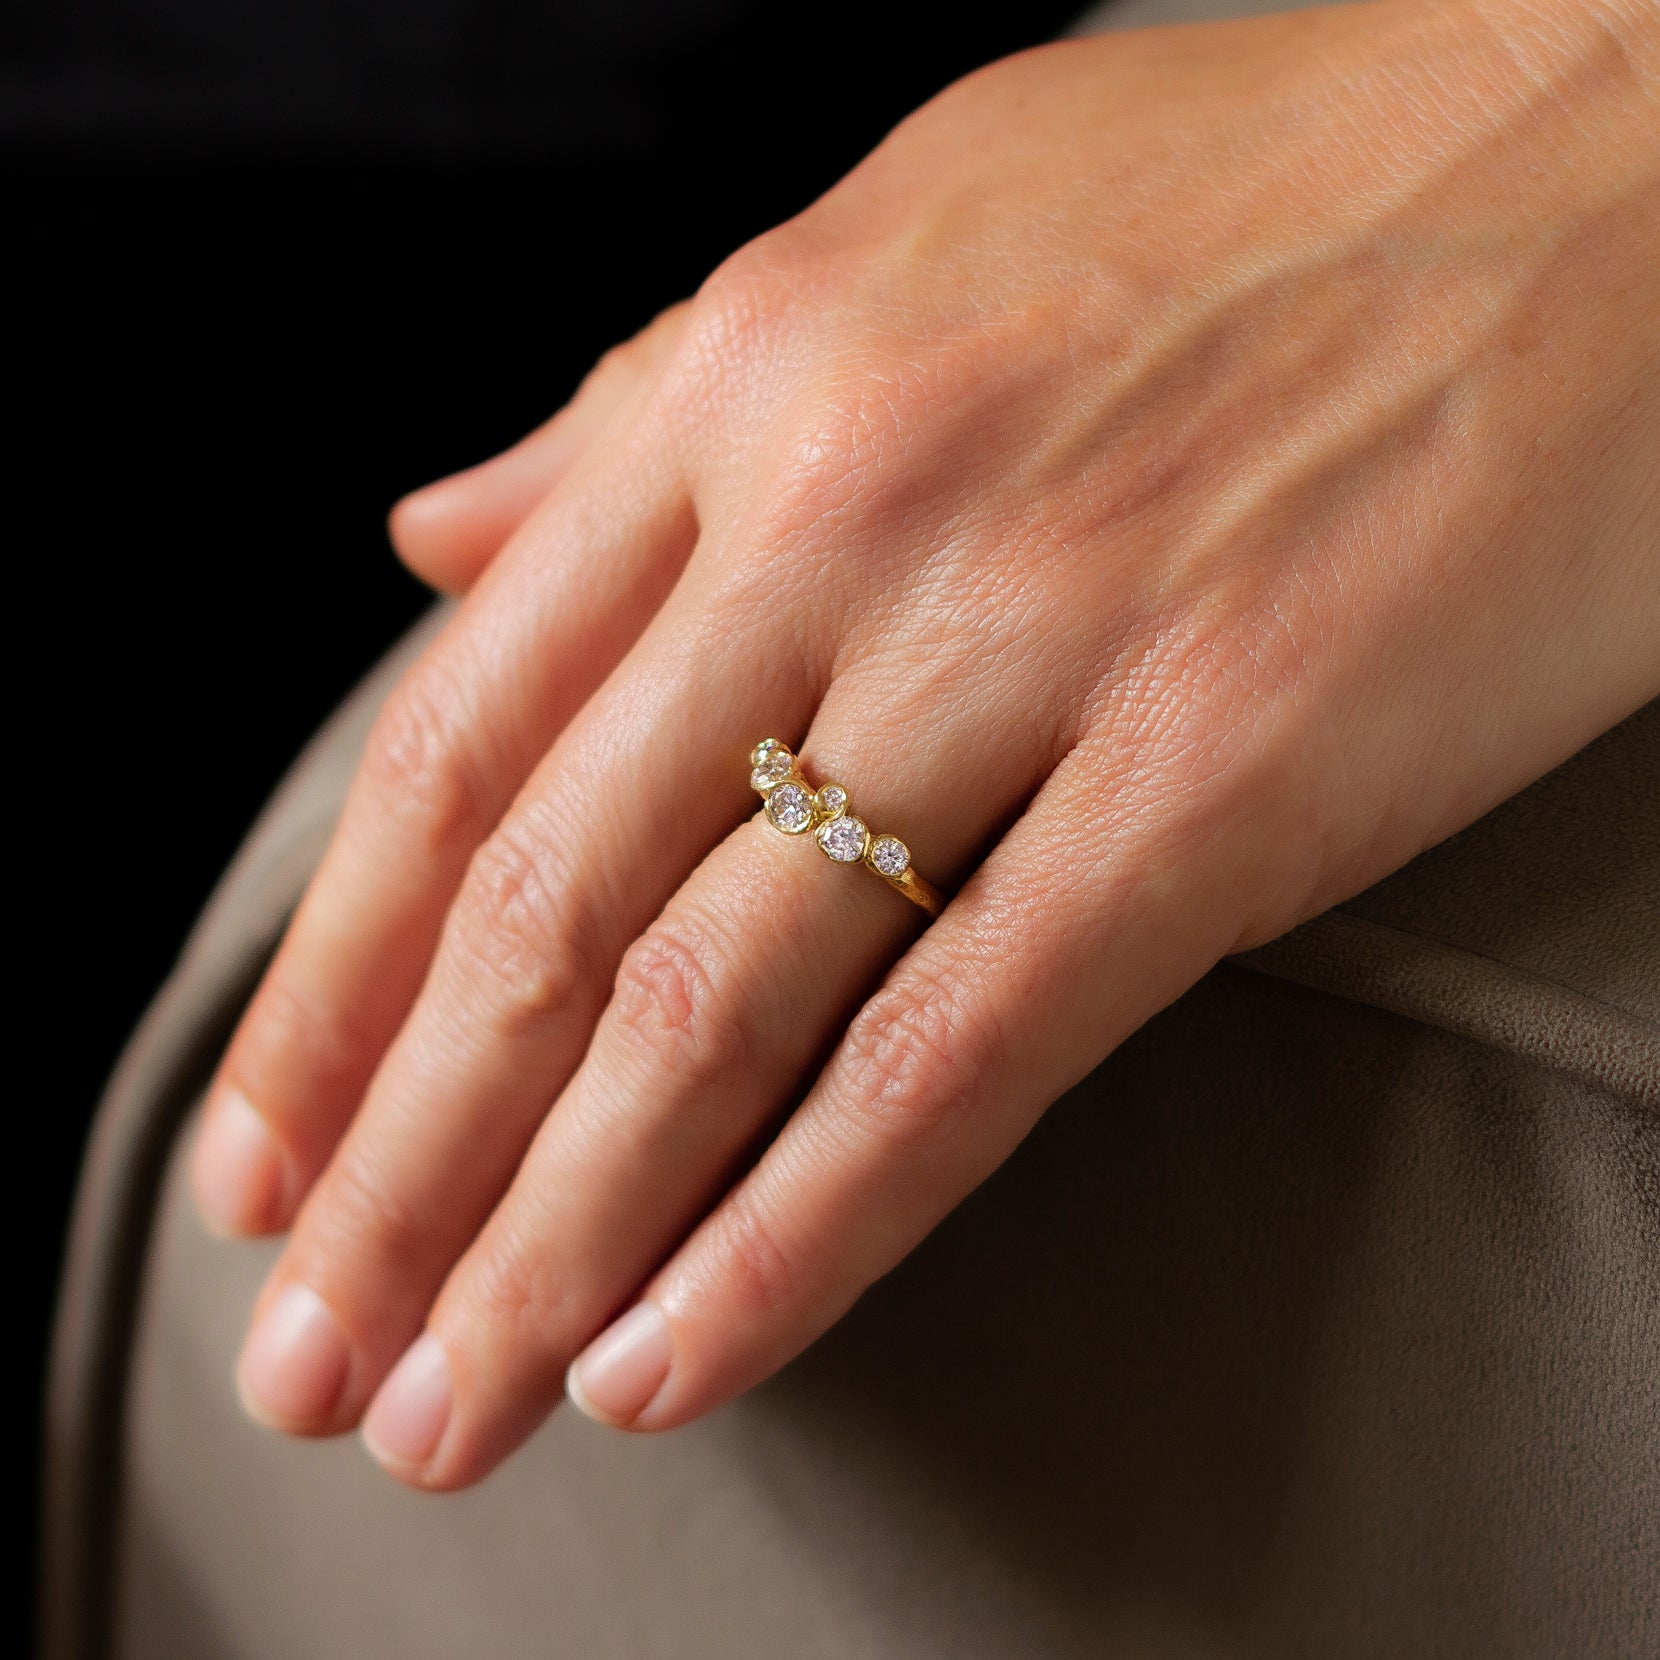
point(452, 747)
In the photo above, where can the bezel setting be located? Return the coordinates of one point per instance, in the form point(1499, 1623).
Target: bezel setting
point(769, 767)
point(843, 838)
point(790, 807)
point(889, 856)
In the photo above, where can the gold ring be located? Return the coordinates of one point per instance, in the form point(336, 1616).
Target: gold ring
point(795, 807)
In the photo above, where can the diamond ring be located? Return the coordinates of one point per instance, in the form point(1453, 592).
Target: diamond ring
point(796, 808)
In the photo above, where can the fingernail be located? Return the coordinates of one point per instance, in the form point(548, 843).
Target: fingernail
point(294, 1363)
point(236, 1168)
point(615, 1378)
point(407, 1418)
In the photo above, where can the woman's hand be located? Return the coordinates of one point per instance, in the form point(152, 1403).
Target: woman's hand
point(1176, 479)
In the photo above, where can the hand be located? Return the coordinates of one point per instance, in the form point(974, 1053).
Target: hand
point(1174, 480)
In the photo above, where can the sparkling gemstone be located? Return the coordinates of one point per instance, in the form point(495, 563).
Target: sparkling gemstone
point(765, 747)
point(832, 800)
point(790, 807)
point(772, 767)
point(890, 855)
point(843, 839)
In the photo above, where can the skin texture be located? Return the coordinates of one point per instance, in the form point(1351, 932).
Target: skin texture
point(1176, 479)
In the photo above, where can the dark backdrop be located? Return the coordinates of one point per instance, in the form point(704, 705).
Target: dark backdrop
point(266, 266)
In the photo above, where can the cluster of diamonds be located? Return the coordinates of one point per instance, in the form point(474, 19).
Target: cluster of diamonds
point(795, 807)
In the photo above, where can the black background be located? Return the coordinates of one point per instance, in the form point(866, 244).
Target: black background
point(267, 266)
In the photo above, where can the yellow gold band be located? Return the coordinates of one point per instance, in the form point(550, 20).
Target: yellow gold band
point(796, 808)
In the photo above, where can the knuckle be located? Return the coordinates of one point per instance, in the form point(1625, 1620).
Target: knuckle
point(362, 1222)
point(517, 934)
point(626, 361)
point(663, 328)
point(835, 456)
point(1203, 695)
point(750, 284)
point(750, 1264)
point(629, 358)
point(740, 314)
point(847, 464)
point(917, 1053)
point(670, 1006)
point(297, 1048)
point(415, 766)
point(521, 1292)
point(1228, 669)
point(617, 366)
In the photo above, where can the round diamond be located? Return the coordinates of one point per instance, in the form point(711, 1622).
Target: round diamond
point(843, 839)
point(771, 768)
point(832, 800)
point(765, 747)
point(890, 855)
point(790, 807)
